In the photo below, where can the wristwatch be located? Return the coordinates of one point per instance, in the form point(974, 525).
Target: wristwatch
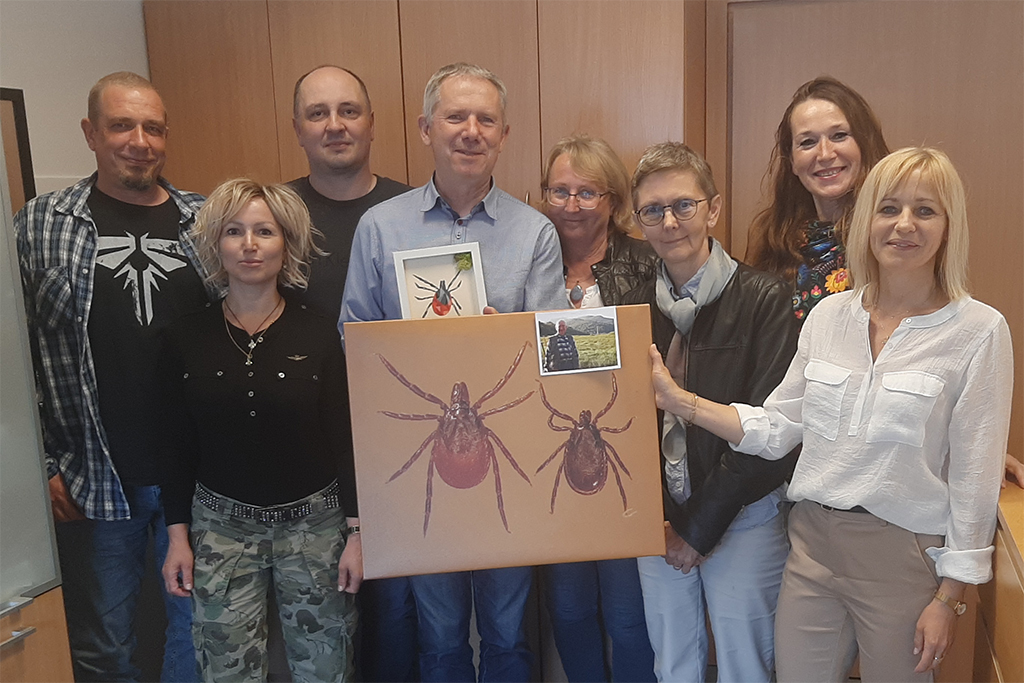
point(957, 606)
point(352, 531)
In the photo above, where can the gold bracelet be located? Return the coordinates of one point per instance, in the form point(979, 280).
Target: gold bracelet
point(693, 410)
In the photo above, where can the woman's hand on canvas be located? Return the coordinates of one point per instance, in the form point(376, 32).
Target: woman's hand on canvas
point(667, 394)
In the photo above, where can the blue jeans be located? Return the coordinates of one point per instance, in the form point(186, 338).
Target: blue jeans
point(445, 602)
point(102, 564)
point(388, 623)
point(573, 592)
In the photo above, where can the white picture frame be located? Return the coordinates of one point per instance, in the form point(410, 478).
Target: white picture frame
point(419, 270)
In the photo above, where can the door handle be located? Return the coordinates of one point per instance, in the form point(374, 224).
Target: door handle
point(17, 637)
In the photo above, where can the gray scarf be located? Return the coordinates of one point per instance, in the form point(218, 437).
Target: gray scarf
point(718, 271)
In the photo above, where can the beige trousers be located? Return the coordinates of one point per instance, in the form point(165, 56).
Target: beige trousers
point(853, 582)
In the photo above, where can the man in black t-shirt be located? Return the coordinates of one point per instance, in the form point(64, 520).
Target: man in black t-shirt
point(333, 121)
point(106, 264)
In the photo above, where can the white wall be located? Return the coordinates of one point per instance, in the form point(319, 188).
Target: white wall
point(55, 50)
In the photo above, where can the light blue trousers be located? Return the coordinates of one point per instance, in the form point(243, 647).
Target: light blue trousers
point(738, 586)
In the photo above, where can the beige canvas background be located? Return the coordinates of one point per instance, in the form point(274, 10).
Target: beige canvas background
point(465, 530)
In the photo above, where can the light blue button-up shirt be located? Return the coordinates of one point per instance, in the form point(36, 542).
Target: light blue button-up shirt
point(522, 259)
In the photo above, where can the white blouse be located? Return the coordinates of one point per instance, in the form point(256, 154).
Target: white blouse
point(916, 437)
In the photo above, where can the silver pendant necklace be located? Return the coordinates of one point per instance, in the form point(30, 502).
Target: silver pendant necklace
point(254, 338)
point(576, 293)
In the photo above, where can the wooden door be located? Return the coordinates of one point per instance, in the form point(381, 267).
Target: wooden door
point(620, 71)
point(936, 72)
point(500, 35)
point(361, 35)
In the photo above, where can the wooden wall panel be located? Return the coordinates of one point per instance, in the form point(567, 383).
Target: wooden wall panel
point(500, 35)
point(361, 35)
point(614, 79)
point(937, 73)
point(211, 63)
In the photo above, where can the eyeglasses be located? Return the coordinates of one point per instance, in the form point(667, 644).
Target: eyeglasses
point(682, 209)
point(586, 199)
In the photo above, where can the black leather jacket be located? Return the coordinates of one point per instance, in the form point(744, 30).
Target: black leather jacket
point(739, 350)
point(627, 264)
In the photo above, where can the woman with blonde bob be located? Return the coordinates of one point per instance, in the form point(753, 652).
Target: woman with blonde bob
point(260, 489)
point(900, 392)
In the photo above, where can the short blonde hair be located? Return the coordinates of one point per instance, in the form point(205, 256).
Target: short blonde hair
point(595, 160)
point(288, 210)
point(936, 168)
point(674, 156)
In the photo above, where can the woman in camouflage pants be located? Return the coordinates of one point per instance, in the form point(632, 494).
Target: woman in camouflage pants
point(261, 485)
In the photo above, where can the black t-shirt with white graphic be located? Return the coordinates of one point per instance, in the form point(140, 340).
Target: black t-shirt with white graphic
point(142, 282)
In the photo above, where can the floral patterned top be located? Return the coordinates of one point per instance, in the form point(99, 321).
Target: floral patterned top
point(823, 271)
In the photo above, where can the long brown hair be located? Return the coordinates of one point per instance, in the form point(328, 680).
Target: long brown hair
point(775, 233)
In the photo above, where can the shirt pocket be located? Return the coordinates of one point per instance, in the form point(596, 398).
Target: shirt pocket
point(823, 397)
point(902, 407)
point(52, 298)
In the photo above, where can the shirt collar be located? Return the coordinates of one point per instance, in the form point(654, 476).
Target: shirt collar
point(432, 199)
point(916, 322)
point(688, 290)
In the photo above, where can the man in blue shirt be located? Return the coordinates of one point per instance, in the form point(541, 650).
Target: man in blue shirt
point(464, 124)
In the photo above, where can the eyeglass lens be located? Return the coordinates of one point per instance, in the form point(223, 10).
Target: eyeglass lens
point(587, 199)
point(682, 209)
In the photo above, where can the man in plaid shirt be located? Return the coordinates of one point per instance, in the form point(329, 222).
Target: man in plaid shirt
point(106, 264)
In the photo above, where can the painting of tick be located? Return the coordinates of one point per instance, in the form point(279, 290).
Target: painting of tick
point(586, 460)
point(441, 297)
point(462, 450)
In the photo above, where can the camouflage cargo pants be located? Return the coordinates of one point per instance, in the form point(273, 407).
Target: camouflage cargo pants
point(236, 560)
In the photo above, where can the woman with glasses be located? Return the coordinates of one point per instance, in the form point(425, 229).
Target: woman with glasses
point(586, 196)
point(900, 393)
point(825, 145)
point(261, 492)
point(727, 331)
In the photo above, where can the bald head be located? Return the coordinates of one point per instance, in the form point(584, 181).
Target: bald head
point(326, 71)
point(122, 79)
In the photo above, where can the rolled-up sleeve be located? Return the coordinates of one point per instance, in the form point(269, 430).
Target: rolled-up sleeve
point(773, 431)
point(978, 430)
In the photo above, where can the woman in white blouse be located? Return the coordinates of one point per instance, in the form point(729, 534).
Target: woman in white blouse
point(900, 392)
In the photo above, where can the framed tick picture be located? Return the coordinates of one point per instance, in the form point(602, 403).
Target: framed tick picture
point(441, 282)
point(468, 458)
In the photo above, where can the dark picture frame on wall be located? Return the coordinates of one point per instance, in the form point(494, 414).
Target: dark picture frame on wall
point(19, 166)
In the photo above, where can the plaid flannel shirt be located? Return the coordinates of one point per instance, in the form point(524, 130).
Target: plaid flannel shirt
point(57, 245)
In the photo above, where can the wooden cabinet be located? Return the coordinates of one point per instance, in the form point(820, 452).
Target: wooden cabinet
point(34, 641)
point(500, 35)
point(361, 35)
point(631, 73)
point(211, 63)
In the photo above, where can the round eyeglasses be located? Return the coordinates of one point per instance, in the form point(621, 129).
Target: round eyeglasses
point(682, 209)
point(585, 199)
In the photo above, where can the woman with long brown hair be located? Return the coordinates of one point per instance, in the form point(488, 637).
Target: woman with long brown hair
point(825, 145)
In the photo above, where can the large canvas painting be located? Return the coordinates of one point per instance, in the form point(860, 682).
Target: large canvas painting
point(466, 458)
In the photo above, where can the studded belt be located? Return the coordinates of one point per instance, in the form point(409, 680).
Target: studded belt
point(326, 499)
